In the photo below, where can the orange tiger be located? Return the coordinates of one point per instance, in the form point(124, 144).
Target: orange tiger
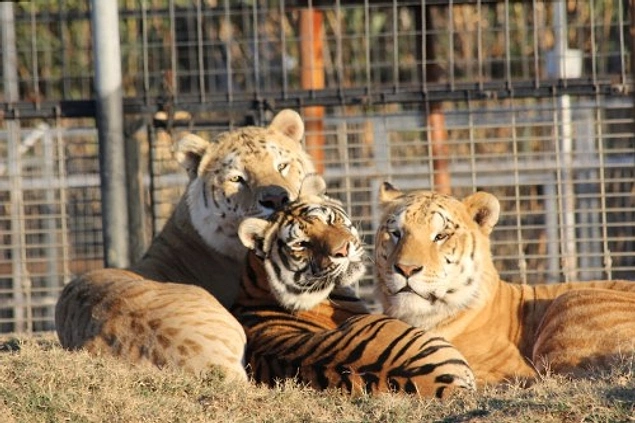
point(302, 322)
point(435, 271)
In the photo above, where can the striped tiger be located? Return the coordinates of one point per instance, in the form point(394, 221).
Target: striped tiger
point(435, 271)
point(303, 322)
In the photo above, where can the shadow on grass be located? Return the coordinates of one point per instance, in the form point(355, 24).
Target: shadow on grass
point(625, 394)
point(466, 417)
point(44, 341)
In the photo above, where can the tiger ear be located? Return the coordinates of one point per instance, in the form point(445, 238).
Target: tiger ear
point(387, 193)
point(252, 232)
point(313, 184)
point(289, 123)
point(484, 209)
point(189, 150)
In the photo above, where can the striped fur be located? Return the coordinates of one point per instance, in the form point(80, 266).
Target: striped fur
point(585, 329)
point(330, 340)
point(435, 271)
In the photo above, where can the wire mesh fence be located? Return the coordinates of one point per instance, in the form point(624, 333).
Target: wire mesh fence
point(530, 100)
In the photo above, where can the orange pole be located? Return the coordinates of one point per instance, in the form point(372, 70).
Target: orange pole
point(440, 150)
point(312, 78)
point(437, 132)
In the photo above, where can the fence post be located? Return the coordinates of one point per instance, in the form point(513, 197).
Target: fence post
point(632, 45)
point(437, 134)
point(107, 60)
point(312, 78)
point(564, 145)
point(22, 313)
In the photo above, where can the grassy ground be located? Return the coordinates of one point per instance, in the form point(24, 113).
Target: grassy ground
point(40, 382)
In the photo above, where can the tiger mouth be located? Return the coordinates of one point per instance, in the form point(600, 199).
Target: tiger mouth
point(430, 297)
point(407, 289)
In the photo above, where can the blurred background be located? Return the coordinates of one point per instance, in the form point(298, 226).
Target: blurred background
point(529, 100)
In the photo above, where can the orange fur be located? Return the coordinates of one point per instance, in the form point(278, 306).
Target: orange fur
point(435, 270)
point(334, 342)
point(585, 329)
point(147, 322)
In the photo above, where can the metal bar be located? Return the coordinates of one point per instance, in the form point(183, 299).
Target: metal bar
point(395, 47)
point(199, 52)
point(50, 222)
point(479, 44)
point(256, 49)
point(620, 19)
point(536, 45)
point(144, 43)
point(522, 260)
point(366, 96)
point(63, 174)
point(508, 69)
point(228, 54)
point(151, 136)
point(565, 140)
point(21, 280)
point(451, 64)
point(283, 57)
point(107, 59)
point(135, 194)
point(171, 79)
point(369, 80)
point(34, 57)
point(63, 39)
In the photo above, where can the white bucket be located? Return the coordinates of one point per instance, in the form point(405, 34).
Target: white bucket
point(569, 66)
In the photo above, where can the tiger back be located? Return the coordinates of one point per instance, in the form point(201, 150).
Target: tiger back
point(573, 337)
point(153, 323)
point(301, 322)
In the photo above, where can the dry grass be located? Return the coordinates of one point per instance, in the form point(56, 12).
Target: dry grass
point(40, 382)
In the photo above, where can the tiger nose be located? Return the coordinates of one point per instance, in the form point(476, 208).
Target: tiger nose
point(274, 201)
point(341, 251)
point(407, 270)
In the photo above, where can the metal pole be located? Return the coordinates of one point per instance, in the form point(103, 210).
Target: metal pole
point(632, 45)
point(21, 281)
point(51, 235)
point(107, 59)
point(136, 220)
point(569, 253)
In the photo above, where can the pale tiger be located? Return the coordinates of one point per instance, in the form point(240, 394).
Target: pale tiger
point(154, 312)
point(294, 329)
